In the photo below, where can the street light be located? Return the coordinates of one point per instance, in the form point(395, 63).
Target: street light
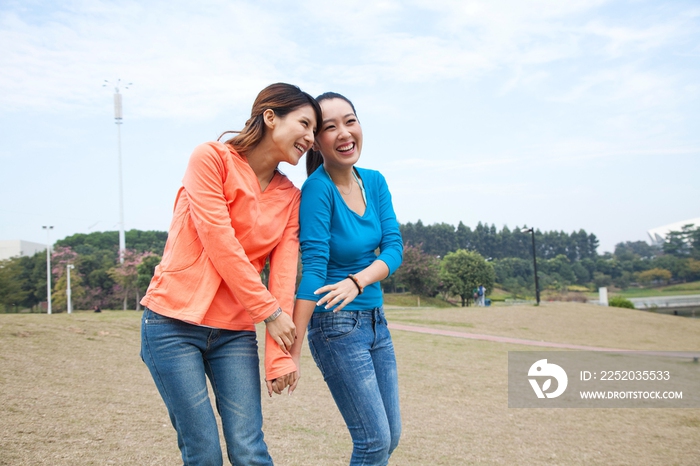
point(68, 297)
point(48, 267)
point(118, 122)
point(534, 260)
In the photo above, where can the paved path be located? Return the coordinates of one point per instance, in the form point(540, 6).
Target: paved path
point(520, 341)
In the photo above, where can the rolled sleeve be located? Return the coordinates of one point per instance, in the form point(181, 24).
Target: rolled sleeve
point(283, 273)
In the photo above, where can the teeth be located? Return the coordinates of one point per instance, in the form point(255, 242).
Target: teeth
point(301, 148)
point(346, 147)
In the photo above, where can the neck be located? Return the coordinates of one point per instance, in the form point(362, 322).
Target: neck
point(262, 164)
point(340, 175)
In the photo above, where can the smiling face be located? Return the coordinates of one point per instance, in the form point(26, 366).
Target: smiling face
point(292, 134)
point(339, 137)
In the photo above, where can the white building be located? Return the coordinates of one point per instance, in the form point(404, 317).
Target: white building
point(658, 234)
point(18, 248)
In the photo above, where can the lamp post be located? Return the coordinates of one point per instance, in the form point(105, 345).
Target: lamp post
point(534, 260)
point(48, 267)
point(118, 122)
point(68, 296)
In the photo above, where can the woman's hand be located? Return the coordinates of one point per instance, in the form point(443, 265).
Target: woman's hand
point(283, 331)
point(338, 294)
point(277, 385)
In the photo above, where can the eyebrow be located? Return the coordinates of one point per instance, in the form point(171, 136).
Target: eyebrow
point(344, 116)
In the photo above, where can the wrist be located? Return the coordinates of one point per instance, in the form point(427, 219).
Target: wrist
point(273, 316)
point(354, 279)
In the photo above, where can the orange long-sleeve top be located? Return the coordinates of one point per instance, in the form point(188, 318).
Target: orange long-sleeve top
point(223, 230)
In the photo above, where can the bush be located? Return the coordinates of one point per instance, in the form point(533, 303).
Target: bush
point(619, 301)
point(564, 296)
point(654, 276)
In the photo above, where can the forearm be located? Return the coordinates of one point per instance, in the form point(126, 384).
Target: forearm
point(376, 271)
point(303, 309)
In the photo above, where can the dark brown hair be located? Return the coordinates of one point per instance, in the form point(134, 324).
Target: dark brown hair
point(314, 159)
point(282, 99)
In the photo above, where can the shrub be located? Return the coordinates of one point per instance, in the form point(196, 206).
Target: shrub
point(565, 296)
point(582, 289)
point(619, 301)
point(655, 275)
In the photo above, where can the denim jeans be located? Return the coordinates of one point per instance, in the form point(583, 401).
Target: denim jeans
point(355, 354)
point(180, 357)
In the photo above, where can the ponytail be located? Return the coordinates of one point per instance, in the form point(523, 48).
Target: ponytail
point(314, 159)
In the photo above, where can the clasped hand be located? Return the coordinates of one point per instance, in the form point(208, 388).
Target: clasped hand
point(283, 331)
point(277, 385)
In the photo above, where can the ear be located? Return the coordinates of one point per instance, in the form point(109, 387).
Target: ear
point(269, 117)
point(314, 146)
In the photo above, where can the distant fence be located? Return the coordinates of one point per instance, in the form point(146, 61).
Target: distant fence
point(654, 302)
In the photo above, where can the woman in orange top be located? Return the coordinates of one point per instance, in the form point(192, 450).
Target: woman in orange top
point(233, 213)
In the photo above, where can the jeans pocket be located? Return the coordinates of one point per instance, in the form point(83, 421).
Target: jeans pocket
point(150, 318)
point(339, 324)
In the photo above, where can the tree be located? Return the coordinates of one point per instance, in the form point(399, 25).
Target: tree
point(680, 243)
point(654, 276)
point(59, 296)
point(11, 292)
point(126, 275)
point(145, 271)
point(630, 250)
point(560, 266)
point(419, 272)
point(601, 280)
point(463, 271)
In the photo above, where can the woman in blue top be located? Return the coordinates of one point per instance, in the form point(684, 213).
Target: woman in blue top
point(345, 216)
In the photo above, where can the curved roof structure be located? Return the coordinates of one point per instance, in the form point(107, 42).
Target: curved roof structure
point(658, 234)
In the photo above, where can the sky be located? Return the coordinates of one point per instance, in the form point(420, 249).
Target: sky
point(583, 114)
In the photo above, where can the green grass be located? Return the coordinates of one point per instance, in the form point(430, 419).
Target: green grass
point(671, 290)
point(692, 286)
point(411, 300)
point(497, 295)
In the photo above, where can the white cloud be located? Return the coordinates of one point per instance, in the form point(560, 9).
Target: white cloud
point(199, 60)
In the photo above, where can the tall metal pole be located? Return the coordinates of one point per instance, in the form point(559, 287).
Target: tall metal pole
point(118, 122)
point(48, 267)
point(68, 294)
point(534, 260)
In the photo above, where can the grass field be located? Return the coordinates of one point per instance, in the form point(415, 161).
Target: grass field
point(73, 391)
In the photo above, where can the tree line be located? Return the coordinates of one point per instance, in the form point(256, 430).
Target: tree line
point(97, 279)
point(438, 259)
point(564, 260)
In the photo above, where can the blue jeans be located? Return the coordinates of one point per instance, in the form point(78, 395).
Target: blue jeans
point(355, 354)
point(180, 356)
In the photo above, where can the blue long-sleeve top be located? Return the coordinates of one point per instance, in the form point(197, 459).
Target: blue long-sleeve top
point(336, 241)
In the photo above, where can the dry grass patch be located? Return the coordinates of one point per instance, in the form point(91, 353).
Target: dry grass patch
point(573, 323)
point(75, 392)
